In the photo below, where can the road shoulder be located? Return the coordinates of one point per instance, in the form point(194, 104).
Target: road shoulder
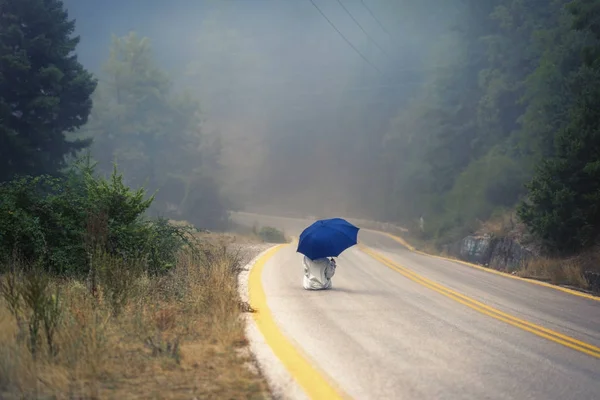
point(280, 381)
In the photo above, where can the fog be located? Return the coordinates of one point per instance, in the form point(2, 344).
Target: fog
point(300, 112)
point(469, 128)
point(445, 116)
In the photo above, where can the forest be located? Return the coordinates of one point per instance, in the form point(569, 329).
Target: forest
point(502, 120)
point(510, 123)
point(494, 119)
point(460, 112)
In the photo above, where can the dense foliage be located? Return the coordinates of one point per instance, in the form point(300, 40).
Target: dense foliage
point(516, 101)
point(59, 214)
point(59, 224)
point(564, 195)
point(44, 90)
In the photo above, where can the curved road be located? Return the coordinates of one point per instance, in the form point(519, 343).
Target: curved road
point(400, 325)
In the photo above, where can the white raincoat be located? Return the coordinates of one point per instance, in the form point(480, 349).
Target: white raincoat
point(318, 273)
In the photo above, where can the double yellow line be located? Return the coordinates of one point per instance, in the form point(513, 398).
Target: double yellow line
point(487, 310)
point(577, 293)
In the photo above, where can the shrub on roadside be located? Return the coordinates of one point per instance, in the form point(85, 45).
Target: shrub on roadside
point(92, 293)
point(272, 235)
point(59, 223)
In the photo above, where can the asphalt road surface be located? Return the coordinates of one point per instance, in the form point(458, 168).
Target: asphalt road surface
point(400, 325)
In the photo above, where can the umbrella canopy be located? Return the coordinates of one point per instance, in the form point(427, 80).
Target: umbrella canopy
point(327, 238)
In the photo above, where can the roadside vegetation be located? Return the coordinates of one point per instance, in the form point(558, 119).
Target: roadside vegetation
point(101, 294)
point(506, 134)
point(261, 234)
point(510, 126)
point(269, 234)
point(99, 301)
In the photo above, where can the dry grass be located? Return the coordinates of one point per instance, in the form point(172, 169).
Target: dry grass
point(500, 225)
point(175, 337)
point(566, 271)
point(556, 271)
point(429, 248)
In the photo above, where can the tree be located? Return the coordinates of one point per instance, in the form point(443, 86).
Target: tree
point(44, 90)
point(564, 201)
point(437, 136)
point(130, 120)
point(153, 134)
point(228, 73)
point(501, 89)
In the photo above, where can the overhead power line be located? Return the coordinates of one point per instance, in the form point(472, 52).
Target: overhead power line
point(375, 18)
point(344, 37)
point(362, 29)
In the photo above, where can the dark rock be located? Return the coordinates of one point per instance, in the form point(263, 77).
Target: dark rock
point(593, 280)
point(499, 253)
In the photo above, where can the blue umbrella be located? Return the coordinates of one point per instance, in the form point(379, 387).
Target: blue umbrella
point(327, 238)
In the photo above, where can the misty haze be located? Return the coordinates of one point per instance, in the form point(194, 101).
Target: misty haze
point(162, 162)
point(297, 111)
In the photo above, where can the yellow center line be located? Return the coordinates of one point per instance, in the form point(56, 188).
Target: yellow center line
point(314, 383)
point(490, 270)
point(487, 310)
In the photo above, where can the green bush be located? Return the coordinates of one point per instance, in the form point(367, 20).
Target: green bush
point(59, 223)
point(272, 235)
point(42, 219)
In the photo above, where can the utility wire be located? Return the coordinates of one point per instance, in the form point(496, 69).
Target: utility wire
point(362, 29)
point(375, 18)
point(344, 37)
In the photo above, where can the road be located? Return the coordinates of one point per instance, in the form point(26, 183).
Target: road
point(401, 325)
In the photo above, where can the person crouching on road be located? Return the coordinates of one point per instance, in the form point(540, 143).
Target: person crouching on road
point(318, 273)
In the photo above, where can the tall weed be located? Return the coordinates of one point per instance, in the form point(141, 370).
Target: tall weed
point(555, 270)
point(182, 327)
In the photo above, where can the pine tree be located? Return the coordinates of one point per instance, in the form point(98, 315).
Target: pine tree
point(44, 90)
